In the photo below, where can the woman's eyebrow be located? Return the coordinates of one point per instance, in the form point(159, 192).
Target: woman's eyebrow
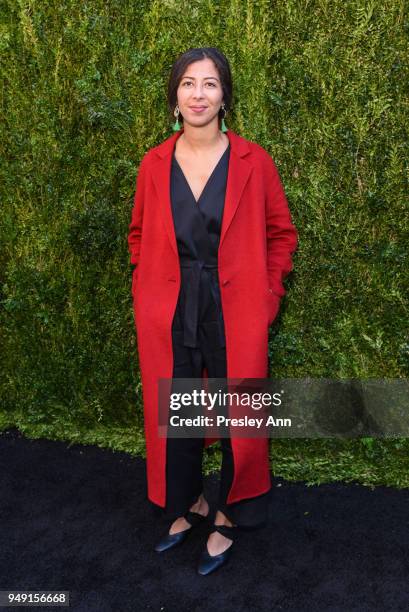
point(210, 77)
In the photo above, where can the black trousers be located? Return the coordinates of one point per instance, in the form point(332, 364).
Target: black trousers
point(184, 479)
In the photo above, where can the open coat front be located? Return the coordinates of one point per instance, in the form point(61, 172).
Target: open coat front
point(256, 243)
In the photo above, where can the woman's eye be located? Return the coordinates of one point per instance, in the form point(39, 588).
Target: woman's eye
point(190, 83)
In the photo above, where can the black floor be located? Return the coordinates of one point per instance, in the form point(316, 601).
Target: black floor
point(77, 519)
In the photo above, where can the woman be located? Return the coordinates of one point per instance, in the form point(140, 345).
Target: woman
point(211, 239)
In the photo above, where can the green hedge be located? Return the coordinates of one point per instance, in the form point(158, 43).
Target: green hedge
point(321, 85)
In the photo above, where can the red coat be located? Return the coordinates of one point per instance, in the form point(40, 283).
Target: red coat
point(256, 243)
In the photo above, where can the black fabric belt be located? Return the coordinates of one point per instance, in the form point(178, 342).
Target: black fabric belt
point(191, 315)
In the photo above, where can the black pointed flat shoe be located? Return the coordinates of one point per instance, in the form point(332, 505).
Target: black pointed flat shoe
point(209, 563)
point(170, 540)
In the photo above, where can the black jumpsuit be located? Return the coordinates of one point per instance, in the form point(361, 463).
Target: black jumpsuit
point(198, 339)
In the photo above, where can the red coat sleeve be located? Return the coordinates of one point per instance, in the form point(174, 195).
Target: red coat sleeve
point(282, 237)
point(135, 227)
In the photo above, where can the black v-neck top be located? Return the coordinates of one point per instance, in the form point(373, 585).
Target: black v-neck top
point(197, 229)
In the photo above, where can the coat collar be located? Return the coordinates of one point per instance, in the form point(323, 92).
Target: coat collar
point(237, 177)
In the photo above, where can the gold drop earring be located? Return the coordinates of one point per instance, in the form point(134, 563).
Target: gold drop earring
point(223, 126)
point(176, 126)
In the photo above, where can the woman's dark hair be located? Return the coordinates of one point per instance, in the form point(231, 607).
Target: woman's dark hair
point(194, 55)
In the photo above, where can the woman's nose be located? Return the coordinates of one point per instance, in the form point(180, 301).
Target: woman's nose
point(198, 92)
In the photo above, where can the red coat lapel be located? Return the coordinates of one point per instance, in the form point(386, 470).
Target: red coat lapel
point(238, 175)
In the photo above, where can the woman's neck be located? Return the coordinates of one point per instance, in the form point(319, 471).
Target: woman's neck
point(199, 139)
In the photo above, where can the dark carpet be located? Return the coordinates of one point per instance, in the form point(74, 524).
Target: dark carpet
point(77, 519)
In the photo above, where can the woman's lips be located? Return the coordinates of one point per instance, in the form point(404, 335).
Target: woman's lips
point(198, 109)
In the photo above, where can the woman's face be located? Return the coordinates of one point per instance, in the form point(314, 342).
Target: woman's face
point(200, 93)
